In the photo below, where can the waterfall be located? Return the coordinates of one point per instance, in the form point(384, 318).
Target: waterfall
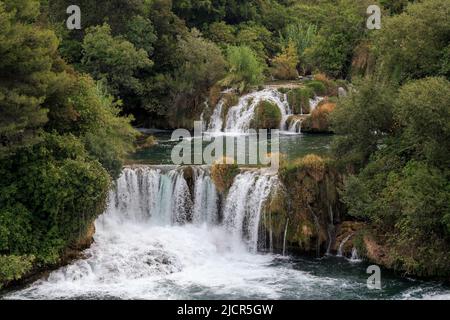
point(295, 126)
point(206, 199)
point(355, 256)
point(163, 197)
point(238, 118)
point(285, 236)
point(340, 252)
point(313, 103)
point(245, 204)
point(330, 230)
point(216, 120)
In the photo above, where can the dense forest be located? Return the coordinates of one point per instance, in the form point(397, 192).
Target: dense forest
point(69, 100)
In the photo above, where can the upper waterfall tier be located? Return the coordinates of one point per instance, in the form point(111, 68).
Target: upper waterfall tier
point(238, 118)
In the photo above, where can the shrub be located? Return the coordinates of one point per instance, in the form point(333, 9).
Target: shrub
point(319, 121)
point(267, 116)
point(244, 69)
point(318, 87)
point(148, 142)
point(285, 64)
point(14, 267)
point(299, 98)
point(223, 174)
point(330, 85)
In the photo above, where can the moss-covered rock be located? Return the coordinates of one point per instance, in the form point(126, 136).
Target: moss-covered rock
point(267, 116)
point(298, 99)
point(319, 120)
point(147, 142)
point(308, 209)
point(223, 174)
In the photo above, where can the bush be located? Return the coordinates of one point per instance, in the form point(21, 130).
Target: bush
point(330, 85)
point(285, 64)
point(14, 267)
point(299, 98)
point(148, 142)
point(319, 121)
point(223, 174)
point(244, 68)
point(267, 116)
point(318, 87)
point(50, 195)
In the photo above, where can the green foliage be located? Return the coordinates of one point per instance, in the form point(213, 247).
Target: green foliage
point(62, 141)
point(285, 64)
point(222, 33)
point(362, 121)
point(141, 34)
point(113, 59)
point(14, 267)
point(318, 87)
point(267, 116)
point(302, 37)
point(404, 190)
point(257, 38)
point(422, 110)
point(298, 100)
point(244, 69)
point(413, 44)
point(56, 190)
point(25, 72)
point(203, 66)
point(342, 27)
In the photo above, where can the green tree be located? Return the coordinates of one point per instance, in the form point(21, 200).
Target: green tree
point(141, 34)
point(27, 55)
point(422, 110)
point(339, 33)
point(113, 59)
point(362, 121)
point(302, 38)
point(403, 191)
point(285, 64)
point(203, 66)
point(413, 44)
point(244, 69)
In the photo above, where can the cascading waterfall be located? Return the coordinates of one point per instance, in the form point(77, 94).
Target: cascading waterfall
point(313, 103)
point(340, 252)
point(206, 199)
point(144, 194)
point(285, 236)
point(216, 120)
point(244, 205)
point(239, 117)
point(165, 236)
point(295, 126)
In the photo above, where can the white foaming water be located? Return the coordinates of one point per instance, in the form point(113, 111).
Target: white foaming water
point(295, 126)
point(313, 103)
point(163, 238)
point(216, 120)
point(144, 249)
point(340, 252)
point(239, 117)
point(244, 205)
point(206, 199)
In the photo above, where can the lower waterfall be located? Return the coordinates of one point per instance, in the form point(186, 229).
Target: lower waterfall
point(168, 234)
